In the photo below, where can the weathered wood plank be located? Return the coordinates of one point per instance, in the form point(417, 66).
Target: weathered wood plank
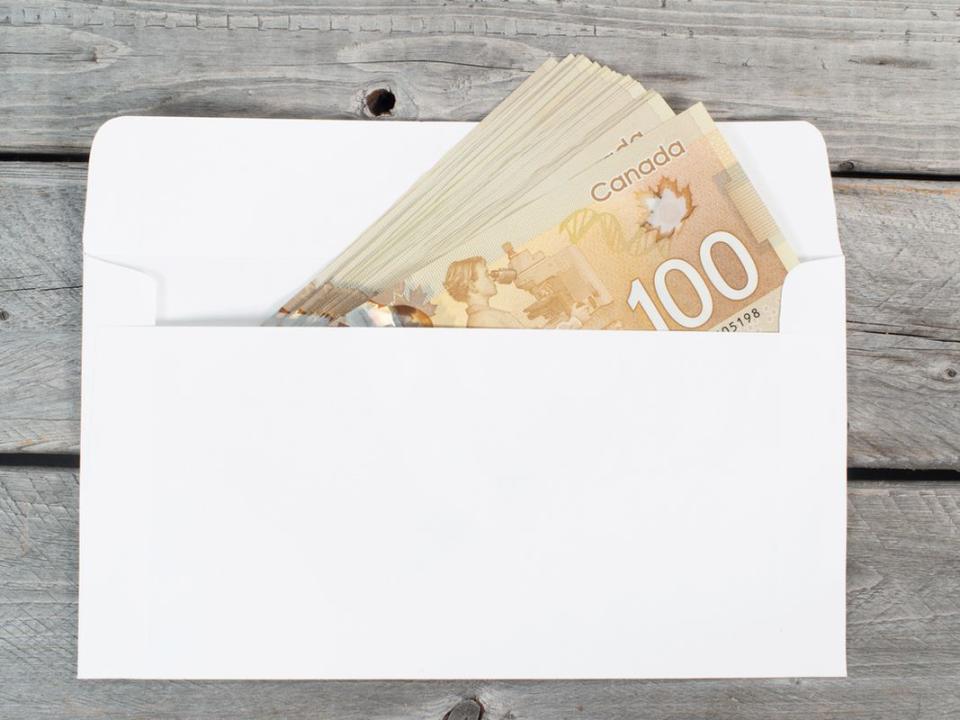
point(41, 225)
point(902, 244)
point(903, 256)
point(903, 597)
point(39, 391)
point(41, 219)
point(880, 79)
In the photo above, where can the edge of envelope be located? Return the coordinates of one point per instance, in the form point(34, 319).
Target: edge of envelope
point(118, 294)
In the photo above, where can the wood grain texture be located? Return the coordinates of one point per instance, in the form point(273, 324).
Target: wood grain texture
point(902, 243)
point(901, 238)
point(902, 246)
point(903, 597)
point(880, 79)
point(41, 213)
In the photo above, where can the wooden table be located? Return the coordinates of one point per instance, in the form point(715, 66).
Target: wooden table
point(881, 80)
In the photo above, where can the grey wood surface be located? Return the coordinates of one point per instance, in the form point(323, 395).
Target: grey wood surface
point(879, 78)
point(903, 597)
point(901, 239)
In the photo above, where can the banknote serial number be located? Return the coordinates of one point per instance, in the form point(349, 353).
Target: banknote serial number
point(751, 316)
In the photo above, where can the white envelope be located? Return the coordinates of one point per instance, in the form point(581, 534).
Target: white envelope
point(265, 502)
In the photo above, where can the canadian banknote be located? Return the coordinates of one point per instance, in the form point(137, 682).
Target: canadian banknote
point(665, 233)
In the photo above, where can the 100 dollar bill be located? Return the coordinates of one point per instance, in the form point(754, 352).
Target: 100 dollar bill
point(668, 233)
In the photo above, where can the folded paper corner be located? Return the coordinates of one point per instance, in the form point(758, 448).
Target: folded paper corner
point(115, 294)
point(813, 301)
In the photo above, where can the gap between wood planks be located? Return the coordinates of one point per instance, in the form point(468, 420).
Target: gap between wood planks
point(40, 460)
point(888, 475)
point(81, 157)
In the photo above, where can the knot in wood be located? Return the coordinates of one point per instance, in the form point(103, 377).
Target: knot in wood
point(380, 102)
point(468, 709)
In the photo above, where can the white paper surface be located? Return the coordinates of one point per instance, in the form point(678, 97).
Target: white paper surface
point(330, 503)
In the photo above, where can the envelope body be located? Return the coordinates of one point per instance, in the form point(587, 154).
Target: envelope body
point(436, 503)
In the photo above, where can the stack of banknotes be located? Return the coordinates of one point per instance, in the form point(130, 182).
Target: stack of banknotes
point(581, 201)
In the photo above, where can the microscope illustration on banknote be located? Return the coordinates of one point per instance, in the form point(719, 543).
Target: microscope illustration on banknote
point(566, 289)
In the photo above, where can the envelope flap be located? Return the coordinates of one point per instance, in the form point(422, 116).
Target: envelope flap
point(812, 300)
point(241, 188)
point(788, 165)
point(114, 294)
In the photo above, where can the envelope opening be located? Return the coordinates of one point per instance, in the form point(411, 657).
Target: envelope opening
point(243, 292)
